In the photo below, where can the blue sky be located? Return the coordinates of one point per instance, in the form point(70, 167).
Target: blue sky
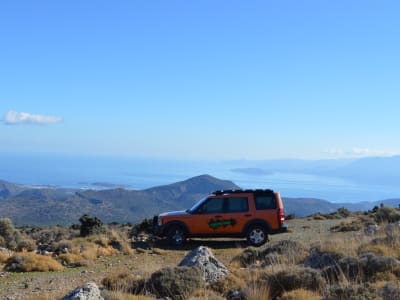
point(200, 79)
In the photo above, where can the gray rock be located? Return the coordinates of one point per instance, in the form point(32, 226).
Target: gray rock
point(392, 230)
point(372, 229)
point(203, 259)
point(89, 291)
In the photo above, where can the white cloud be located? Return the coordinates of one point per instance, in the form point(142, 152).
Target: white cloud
point(16, 118)
point(360, 152)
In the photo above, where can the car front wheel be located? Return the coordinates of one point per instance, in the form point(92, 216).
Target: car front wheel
point(257, 236)
point(176, 235)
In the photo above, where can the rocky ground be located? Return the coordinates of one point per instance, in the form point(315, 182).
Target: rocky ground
point(148, 258)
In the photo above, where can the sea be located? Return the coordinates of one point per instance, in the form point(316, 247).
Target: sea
point(101, 172)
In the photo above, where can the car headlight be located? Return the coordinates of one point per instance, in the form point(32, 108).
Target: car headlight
point(159, 221)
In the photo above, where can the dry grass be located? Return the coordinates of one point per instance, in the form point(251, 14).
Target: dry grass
point(3, 257)
point(125, 296)
point(230, 282)
point(72, 260)
point(45, 296)
point(300, 294)
point(337, 244)
point(119, 240)
point(257, 291)
point(124, 282)
point(380, 249)
point(30, 262)
point(106, 251)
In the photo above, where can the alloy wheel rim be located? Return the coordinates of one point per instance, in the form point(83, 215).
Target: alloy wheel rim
point(257, 236)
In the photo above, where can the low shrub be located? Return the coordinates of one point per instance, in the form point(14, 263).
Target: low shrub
point(387, 214)
point(319, 217)
point(362, 268)
point(26, 244)
point(3, 257)
point(118, 241)
point(146, 226)
point(124, 296)
point(62, 246)
point(381, 249)
point(72, 260)
point(354, 291)
point(292, 278)
point(30, 262)
point(321, 259)
point(177, 283)
point(230, 282)
point(300, 294)
point(391, 291)
point(90, 225)
point(9, 235)
point(124, 282)
point(52, 234)
point(281, 252)
point(347, 226)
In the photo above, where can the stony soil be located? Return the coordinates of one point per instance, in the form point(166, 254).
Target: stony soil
point(53, 285)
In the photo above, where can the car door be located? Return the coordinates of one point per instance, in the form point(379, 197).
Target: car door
point(203, 218)
point(235, 216)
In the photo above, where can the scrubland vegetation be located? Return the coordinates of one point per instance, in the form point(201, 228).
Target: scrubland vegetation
point(341, 255)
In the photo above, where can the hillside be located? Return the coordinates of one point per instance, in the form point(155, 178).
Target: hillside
point(57, 206)
point(51, 206)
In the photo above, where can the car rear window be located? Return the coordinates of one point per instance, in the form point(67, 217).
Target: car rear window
point(265, 202)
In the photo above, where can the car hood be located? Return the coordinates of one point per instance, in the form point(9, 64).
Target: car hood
point(174, 213)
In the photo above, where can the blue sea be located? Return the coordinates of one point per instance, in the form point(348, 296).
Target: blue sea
point(142, 173)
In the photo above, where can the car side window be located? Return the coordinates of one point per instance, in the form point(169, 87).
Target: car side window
point(237, 204)
point(213, 205)
point(265, 202)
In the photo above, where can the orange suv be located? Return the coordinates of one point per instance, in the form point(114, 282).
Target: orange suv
point(229, 213)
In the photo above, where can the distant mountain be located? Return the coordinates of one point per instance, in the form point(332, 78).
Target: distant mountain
point(376, 170)
point(50, 206)
point(307, 206)
point(8, 189)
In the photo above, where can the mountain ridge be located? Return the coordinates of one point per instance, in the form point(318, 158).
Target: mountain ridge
point(51, 206)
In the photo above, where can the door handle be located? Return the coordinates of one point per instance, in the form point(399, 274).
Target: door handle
point(217, 216)
point(247, 215)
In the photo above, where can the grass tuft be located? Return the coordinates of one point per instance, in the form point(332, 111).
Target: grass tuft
point(30, 262)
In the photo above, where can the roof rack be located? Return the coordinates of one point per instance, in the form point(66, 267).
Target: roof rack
point(239, 191)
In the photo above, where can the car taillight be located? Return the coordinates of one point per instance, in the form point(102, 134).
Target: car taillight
point(281, 215)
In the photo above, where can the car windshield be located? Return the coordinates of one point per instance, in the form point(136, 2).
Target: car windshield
point(197, 204)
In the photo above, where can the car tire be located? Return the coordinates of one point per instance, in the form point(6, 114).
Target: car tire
point(176, 235)
point(257, 236)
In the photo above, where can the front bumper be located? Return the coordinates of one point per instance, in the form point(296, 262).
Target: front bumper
point(158, 230)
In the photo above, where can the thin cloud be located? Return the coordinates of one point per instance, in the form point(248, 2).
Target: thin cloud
point(360, 152)
point(18, 118)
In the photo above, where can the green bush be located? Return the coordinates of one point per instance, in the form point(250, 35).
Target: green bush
point(9, 235)
point(293, 278)
point(387, 214)
point(178, 283)
point(90, 225)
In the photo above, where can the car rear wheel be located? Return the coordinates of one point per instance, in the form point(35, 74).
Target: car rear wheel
point(176, 235)
point(257, 236)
